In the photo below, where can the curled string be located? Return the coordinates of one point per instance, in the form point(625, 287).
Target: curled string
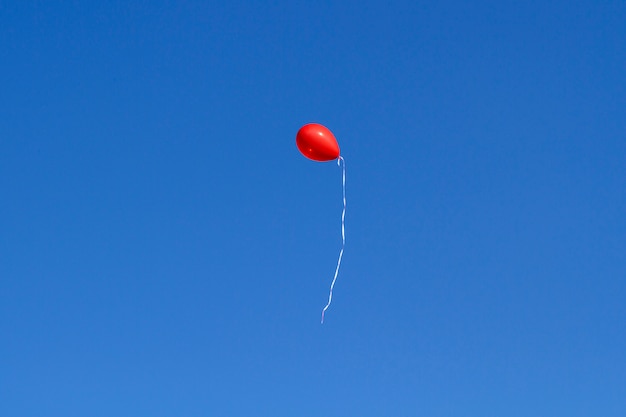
point(343, 234)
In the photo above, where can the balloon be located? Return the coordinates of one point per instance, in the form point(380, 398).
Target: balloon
point(316, 142)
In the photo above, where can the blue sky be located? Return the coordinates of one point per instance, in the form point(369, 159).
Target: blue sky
point(166, 251)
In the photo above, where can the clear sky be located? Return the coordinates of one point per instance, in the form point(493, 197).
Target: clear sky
point(166, 251)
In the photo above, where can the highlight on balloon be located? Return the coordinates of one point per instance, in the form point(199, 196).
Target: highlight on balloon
point(318, 143)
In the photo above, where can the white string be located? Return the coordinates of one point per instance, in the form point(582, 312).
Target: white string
point(343, 234)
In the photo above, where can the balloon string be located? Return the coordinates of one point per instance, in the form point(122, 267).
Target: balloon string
point(343, 234)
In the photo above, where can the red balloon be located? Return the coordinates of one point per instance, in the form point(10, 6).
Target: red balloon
point(318, 143)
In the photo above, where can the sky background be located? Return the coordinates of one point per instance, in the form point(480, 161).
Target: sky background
point(165, 250)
